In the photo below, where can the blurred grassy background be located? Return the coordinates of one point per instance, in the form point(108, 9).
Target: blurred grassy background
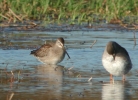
point(69, 11)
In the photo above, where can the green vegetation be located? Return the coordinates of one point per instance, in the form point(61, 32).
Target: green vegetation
point(67, 10)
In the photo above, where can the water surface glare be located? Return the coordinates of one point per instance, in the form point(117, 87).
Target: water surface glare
point(22, 77)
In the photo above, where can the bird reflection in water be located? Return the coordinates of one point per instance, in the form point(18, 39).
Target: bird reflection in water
point(52, 75)
point(116, 91)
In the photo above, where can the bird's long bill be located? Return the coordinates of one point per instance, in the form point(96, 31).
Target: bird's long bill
point(67, 54)
point(114, 56)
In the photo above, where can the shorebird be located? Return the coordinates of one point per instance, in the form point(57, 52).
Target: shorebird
point(116, 60)
point(51, 53)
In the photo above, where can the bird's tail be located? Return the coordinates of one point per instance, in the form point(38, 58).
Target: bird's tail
point(32, 52)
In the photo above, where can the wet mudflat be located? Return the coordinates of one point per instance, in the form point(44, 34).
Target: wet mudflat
point(22, 77)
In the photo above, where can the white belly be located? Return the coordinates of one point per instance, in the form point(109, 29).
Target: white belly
point(115, 67)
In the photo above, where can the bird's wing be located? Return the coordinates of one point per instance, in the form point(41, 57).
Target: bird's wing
point(42, 51)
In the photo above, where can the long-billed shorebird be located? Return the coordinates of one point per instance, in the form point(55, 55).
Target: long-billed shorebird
point(51, 53)
point(116, 60)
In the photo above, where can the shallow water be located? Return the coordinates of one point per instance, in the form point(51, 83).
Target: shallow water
point(22, 77)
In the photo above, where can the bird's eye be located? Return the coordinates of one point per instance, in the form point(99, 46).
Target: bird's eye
point(60, 44)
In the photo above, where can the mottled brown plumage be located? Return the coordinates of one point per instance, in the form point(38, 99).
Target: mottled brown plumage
point(51, 53)
point(42, 51)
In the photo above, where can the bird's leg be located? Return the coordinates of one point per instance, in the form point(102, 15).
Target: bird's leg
point(124, 78)
point(111, 77)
